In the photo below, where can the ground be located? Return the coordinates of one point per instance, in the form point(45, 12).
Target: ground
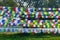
point(29, 37)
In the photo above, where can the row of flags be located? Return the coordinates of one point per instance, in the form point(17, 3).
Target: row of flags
point(25, 23)
point(34, 14)
point(42, 24)
point(31, 30)
point(30, 9)
point(29, 20)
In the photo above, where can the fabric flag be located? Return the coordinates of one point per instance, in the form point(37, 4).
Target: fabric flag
point(28, 25)
point(33, 31)
point(4, 30)
point(9, 8)
point(1, 7)
point(6, 21)
point(31, 9)
point(5, 24)
point(0, 30)
point(13, 13)
point(38, 25)
point(55, 31)
point(42, 16)
point(39, 30)
point(8, 30)
point(14, 8)
point(29, 31)
point(24, 31)
point(58, 26)
point(13, 30)
point(58, 31)
point(39, 9)
point(45, 13)
point(22, 9)
point(44, 9)
point(20, 30)
point(17, 9)
point(59, 9)
point(2, 12)
point(54, 9)
point(48, 31)
point(18, 21)
point(48, 9)
point(56, 12)
point(16, 30)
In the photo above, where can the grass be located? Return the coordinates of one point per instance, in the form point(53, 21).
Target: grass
point(29, 37)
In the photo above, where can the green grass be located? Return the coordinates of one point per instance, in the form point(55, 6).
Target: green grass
point(29, 37)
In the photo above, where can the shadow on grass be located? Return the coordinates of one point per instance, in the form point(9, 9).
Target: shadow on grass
point(26, 36)
point(39, 35)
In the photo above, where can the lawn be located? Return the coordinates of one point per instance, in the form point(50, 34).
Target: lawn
point(29, 37)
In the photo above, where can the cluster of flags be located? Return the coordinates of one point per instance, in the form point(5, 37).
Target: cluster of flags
point(20, 19)
point(41, 24)
point(29, 23)
point(29, 12)
point(32, 30)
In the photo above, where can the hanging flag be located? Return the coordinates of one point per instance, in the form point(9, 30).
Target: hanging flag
point(2, 12)
point(22, 9)
point(59, 9)
point(0, 30)
point(14, 8)
point(4, 30)
point(44, 9)
point(39, 9)
point(48, 31)
point(8, 30)
point(17, 9)
point(13, 30)
point(54, 9)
